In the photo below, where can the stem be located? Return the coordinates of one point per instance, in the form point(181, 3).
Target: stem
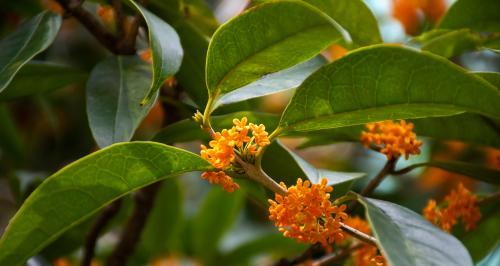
point(409, 168)
point(258, 175)
point(144, 200)
point(100, 223)
point(388, 168)
point(359, 235)
point(337, 256)
point(488, 199)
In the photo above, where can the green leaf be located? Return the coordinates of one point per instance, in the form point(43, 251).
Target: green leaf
point(275, 244)
point(449, 43)
point(483, 239)
point(199, 14)
point(277, 156)
point(20, 46)
point(407, 239)
point(273, 83)
point(82, 188)
point(475, 171)
point(214, 218)
point(162, 230)
point(493, 258)
point(492, 77)
point(354, 16)
point(479, 16)
point(11, 146)
point(38, 77)
point(188, 130)
point(265, 39)
point(166, 50)
point(114, 91)
point(386, 82)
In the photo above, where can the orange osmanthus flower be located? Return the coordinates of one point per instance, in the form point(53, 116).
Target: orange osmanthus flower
point(367, 254)
point(391, 138)
point(221, 151)
point(106, 13)
point(460, 203)
point(306, 213)
point(410, 13)
point(146, 56)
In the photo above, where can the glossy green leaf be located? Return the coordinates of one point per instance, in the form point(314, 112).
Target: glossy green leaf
point(37, 77)
point(273, 83)
point(20, 46)
point(199, 13)
point(386, 82)
point(475, 171)
point(492, 77)
point(80, 189)
point(114, 92)
point(216, 214)
point(263, 40)
point(480, 16)
point(449, 43)
point(166, 50)
point(187, 130)
point(407, 239)
point(354, 16)
point(277, 156)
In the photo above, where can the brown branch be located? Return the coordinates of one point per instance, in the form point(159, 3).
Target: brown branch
point(144, 201)
point(388, 168)
point(313, 251)
point(359, 235)
point(97, 228)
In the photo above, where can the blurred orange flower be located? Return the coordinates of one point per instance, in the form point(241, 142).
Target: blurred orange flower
point(367, 254)
point(106, 13)
point(306, 213)
point(460, 203)
point(391, 138)
point(336, 52)
point(409, 13)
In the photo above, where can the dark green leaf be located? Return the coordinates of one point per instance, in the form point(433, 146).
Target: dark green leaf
point(31, 38)
point(276, 82)
point(11, 146)
point(38, 77)
point(449, 43)
point(277, 156)
point(114, 92)
point(187, 130)
point(199, 14)
point(215, 216)
point(483, 239)
point(386, 82)
point(406, 239)
point(263, 40)
point(354, 16)
point(80, 189)
point(166, 50)
point(479, 16)
point(493, 258)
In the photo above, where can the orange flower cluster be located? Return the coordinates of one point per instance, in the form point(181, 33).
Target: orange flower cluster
point(367, 254)
point(146, 55)
point(307, 214)
point(408, 12)
point(391, 138)
point(106, 13)
point(460, 203)
point(221, 153)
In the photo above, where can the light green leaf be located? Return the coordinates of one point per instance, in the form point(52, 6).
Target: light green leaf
point(188, 130)
point(114, 92)
point(386, 82)
point(479, 16)
point(354, 16)
point(166, 50)
point(277, 156)
point(406, 239)
point(217, 213)
point(449, 43)
point(20, 46)
point(273, 83)
point(82, 188)
point(38, 77)
point(263, 40)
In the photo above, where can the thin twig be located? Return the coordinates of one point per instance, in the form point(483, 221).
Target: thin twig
point(144, 201)
point(97, 228)
point(337, 256)
point(359, 235)
point(388, 168)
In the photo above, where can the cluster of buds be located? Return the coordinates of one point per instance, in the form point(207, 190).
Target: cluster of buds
point(306, 213)
point(460, 203)
point(228, 144)
point(366, 255)
point(391, 138)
